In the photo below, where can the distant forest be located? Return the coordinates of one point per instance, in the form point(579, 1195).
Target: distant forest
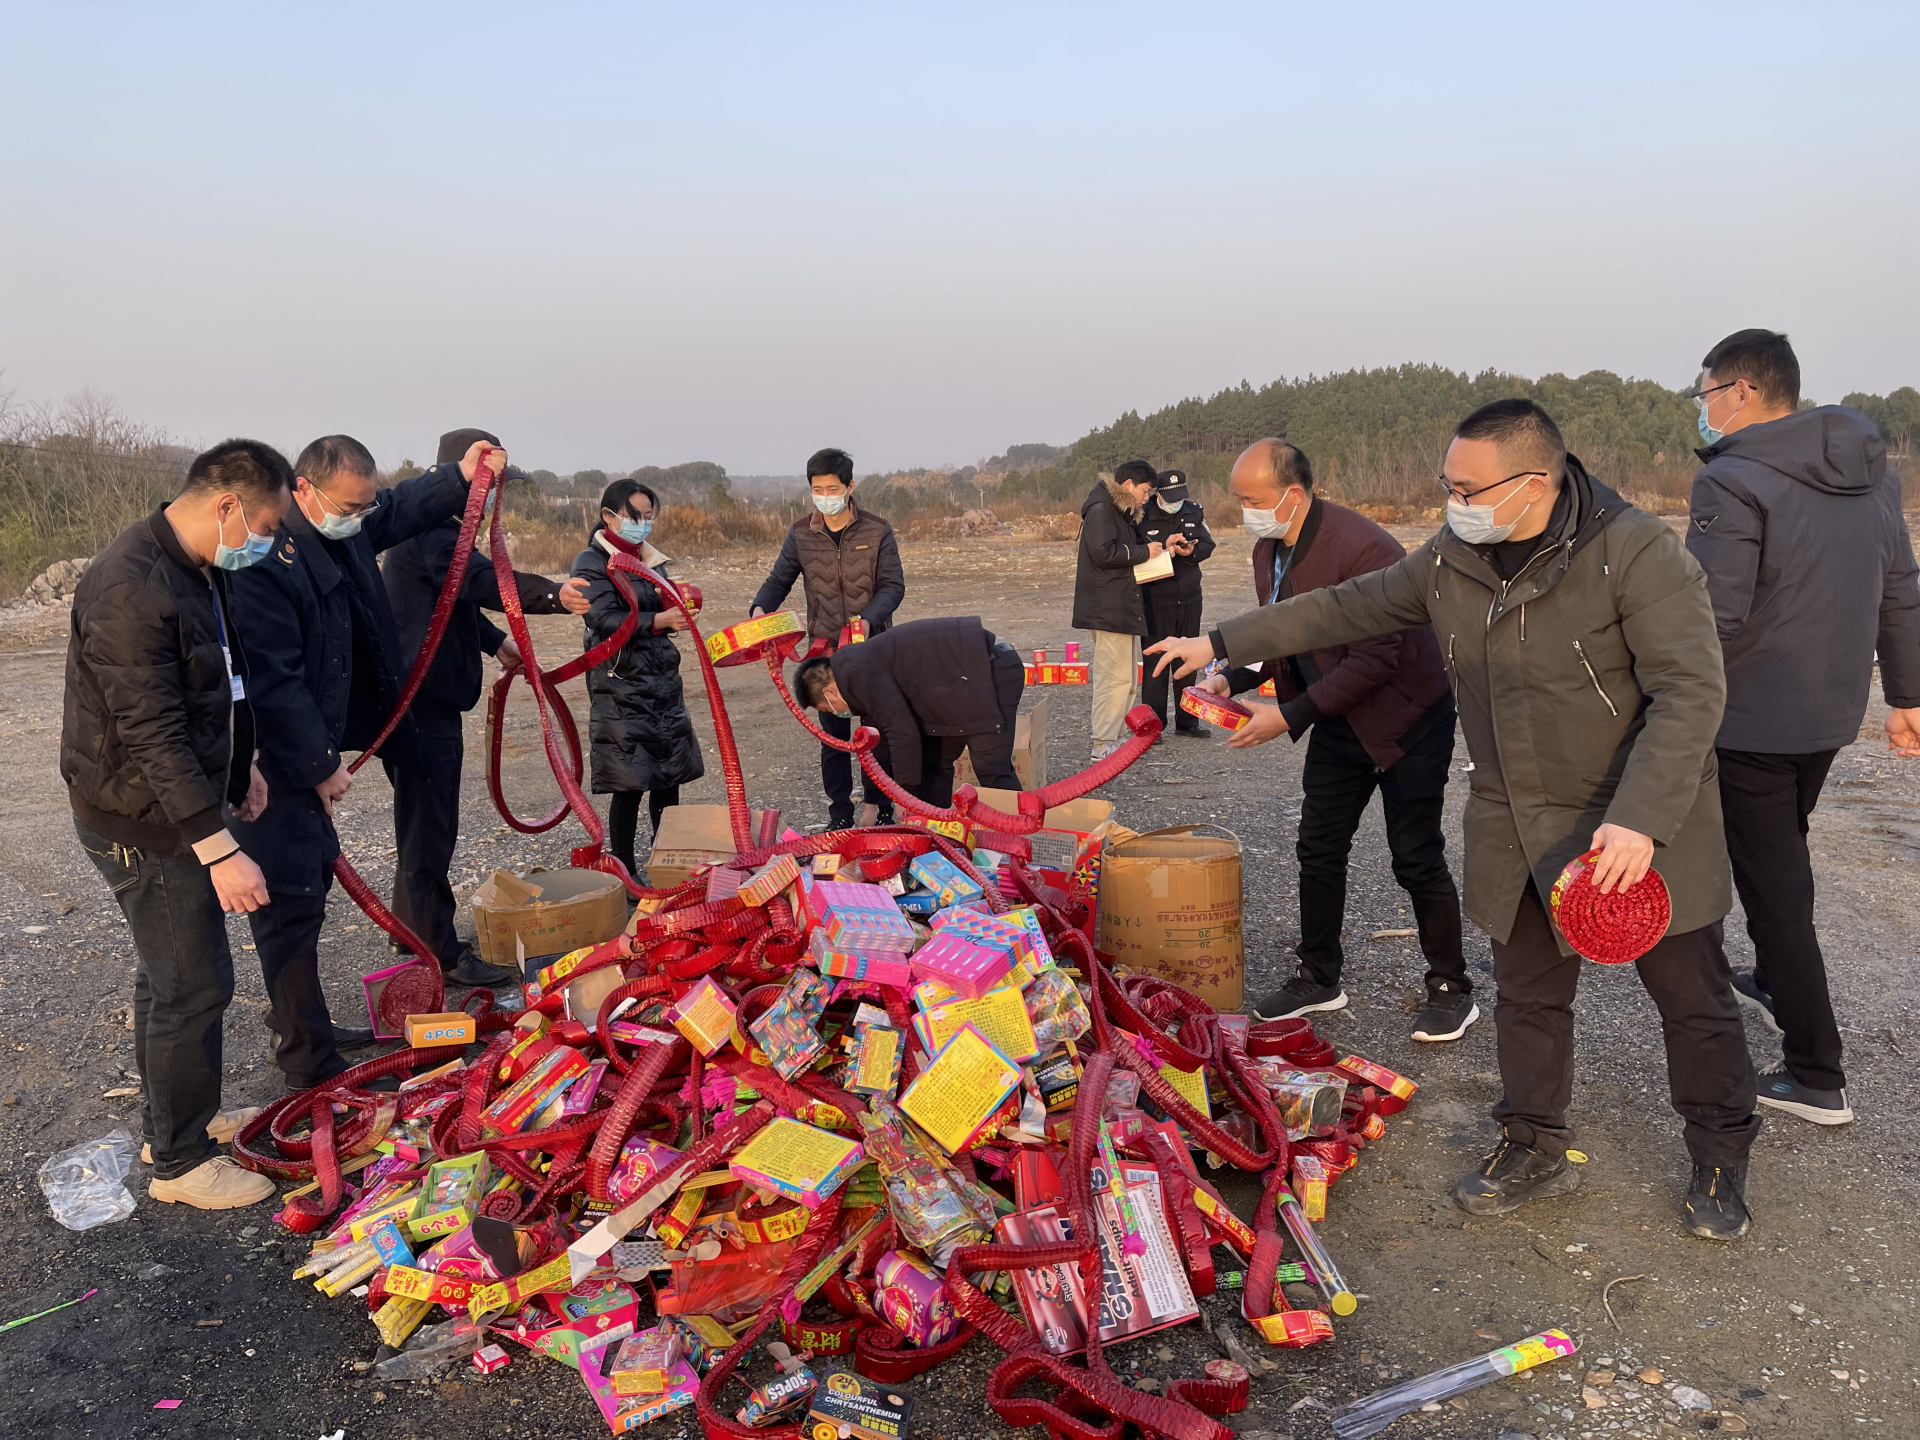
point(1379, 434)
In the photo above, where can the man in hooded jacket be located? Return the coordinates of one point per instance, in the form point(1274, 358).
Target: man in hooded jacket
point(1579, 638)
point(426, 788)
point(1796, 519)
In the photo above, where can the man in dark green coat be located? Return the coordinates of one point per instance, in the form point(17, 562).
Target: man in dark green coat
point(1580, 641)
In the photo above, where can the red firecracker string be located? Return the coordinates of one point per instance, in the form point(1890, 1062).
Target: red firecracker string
point(1610, 929)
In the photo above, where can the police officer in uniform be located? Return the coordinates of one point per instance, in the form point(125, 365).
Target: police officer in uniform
point(1173, 605)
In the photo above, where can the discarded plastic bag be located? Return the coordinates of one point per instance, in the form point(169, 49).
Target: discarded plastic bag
point(431, 1347)
point(83, 1185)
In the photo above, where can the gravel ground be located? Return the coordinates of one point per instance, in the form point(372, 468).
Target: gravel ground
point(1795, 1329)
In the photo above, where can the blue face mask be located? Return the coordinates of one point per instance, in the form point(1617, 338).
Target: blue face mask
point(635, 532)
point(1707, 432)
point(333, 525)
point(253, 548)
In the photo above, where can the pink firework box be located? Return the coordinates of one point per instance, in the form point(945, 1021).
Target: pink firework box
point(882, 968)
point(860, 916)
point(629, 1412)
point(769, 880)
point(965, 966)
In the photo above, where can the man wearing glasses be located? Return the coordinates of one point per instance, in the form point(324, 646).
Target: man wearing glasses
point(1796, 520)
point(324, 675)
point(1580, 641)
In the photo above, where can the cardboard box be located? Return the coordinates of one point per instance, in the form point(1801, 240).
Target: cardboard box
point(545, 913)
point(690, 836)
point(1067, 831)
point(1170, 905)
point(450, 1027)
point(1029, 750)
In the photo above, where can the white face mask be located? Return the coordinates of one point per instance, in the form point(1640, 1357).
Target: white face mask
point(830, 504)
point(1266, 524)
point(1478, 525)
point(1172, 507)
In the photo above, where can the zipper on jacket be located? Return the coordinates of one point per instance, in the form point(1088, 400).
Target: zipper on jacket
point(1581, 651)
point(1523, 622)
point(1453, 675)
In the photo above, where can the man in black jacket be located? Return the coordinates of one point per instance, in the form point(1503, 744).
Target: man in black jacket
point(850, 563)
point(932, 688)
point(426, 792)
point(156, 744)
point(1796, 519)
point(1106, 599)
point(1173, 606)
point(325, 672)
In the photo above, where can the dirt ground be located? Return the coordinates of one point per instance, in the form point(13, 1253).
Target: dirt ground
point(1794, 1330)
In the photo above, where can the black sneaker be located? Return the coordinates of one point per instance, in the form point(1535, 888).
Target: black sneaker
point(837, 820)
point(1302, 995)
point(351, 1037)
point(1716, 1207)
point(1781, 1091)
point(1197, 732)
point(1747, 988)
point(1448, 1014)
point(1512, 1174)
point(472, 972)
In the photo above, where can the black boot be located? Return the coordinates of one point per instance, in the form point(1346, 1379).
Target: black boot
point(1511, 1175)
point(471, 972)
point(1716, 1205)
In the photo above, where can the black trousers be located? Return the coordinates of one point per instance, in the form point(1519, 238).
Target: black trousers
point(992, 754)
point(426, 827)
point(1708, 1074)
point(1337, 782)
point(286, 934)
point(182, 985)
point(836, 776)
point(1168, 618)
point(1766, 800)
point(623, 820)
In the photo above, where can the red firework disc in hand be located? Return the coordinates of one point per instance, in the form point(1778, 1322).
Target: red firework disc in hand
point(1610, 929)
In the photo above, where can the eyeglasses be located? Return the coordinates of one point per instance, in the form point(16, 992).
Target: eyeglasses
point(1699, 397)
point(345, 512)
point(1459, 494)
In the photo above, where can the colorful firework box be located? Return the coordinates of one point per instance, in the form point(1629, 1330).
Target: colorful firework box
point(945, 879)
point(1000, 1016)
point(1138, 1294)
point(967, 967)
point(875, 1067)
point(786, 1031)
point(959, 1093)
point(850, 1405)
point(545, 1083)
point(705, 1016)
point(800, 1161)
point(860, 917)
point(881, 967)
point(449, 1196)
point(630, 1412)
point(769, 880)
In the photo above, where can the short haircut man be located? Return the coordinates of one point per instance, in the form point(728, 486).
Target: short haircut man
point(1590, 729)
point(255, 472)
point(330, 455)
point(1763, 359)
point(830, 461)
point(849, 562)
point(1796, 519)
point(811, 680)
point(1107, 599)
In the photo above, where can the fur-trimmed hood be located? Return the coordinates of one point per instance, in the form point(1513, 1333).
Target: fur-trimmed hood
point(1118, 496)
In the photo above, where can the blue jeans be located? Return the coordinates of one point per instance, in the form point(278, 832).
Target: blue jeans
point(182, 986)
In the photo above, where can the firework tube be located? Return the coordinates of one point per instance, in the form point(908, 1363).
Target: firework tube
point(1214, 709)
point(1326, 1274)
point(1136, 1241)
point(1372, 1414)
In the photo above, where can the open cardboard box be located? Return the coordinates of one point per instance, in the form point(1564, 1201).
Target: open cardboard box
point(547, 913)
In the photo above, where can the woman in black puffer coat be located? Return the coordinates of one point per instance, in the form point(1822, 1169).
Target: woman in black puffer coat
point(643, 740)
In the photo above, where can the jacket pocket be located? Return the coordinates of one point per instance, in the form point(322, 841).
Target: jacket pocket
point(1598, 689)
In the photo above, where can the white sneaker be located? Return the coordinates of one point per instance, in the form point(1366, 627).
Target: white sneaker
point(1100, 752)
point(216, 1184)
point(221, 1129)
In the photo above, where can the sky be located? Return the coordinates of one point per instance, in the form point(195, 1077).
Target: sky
point(627, 235)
